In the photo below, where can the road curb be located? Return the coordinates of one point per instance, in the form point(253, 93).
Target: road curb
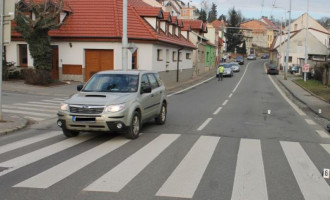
point(24, 122)
point(296, 97)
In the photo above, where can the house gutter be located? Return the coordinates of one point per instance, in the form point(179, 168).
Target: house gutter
point(177, 66)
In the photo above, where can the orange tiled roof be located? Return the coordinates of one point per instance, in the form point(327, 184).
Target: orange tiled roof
point(194, 24)
point(103, 19)
point(218, 24)
point(255, 25)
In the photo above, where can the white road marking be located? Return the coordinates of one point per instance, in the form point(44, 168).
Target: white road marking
point(184, 180)
point(298, 110)
point(37, 155)
point(122, 174)
point(39, 106)
point(326, 147)
point(28, 141)
point(217, 111)
point(250, 180)
point(188, 88)
point(225, 102)
point(29, 108)
point(204, 124)
point(35, 118)
point(311, 183)
point(247, 66)
point(310, 122)
point(60, 99)
point(231, 94)
point(59, 172)
point(43, 103)
point(53, 101)
point(323, 134)
point(28, 113)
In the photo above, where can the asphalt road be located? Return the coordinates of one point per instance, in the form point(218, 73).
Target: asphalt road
point(239, 138)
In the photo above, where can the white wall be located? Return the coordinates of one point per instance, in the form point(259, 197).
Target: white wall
point(12, 53)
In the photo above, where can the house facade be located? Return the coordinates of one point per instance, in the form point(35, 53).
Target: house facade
point(203, 58)
point(318, 43)
point(90, 41)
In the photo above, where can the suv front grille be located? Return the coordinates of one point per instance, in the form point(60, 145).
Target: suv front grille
point(84, 109)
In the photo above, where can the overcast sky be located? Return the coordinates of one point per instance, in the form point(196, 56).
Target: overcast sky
point(254, 8)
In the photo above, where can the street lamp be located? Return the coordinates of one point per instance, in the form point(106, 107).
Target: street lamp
point(1, 51)
point(288, 45)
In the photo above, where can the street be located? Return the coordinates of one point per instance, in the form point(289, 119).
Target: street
point(239, 138)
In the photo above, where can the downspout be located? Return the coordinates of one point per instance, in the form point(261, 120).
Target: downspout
point(197, 52)
point(177, 66)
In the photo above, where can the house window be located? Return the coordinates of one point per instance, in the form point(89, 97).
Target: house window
point(290, 58)
point(23, 56)
point(174, 56)
point(157, 26)
point(166, 29)
point(159, 54)
point(188, 56)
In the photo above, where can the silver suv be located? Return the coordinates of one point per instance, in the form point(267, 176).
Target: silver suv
point(115, 101)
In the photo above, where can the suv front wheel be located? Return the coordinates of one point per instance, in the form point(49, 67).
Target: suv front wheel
point(69, 133)
point(134, 130)
point(161, 118)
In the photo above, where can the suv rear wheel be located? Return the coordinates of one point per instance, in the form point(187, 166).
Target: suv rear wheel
point(69, 133)
point(134, 130)
point(161, 118)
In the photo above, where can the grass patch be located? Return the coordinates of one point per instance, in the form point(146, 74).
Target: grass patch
point(315, 87)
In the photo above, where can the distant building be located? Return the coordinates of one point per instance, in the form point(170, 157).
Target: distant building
point(318, 42)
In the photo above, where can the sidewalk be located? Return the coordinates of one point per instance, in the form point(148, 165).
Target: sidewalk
point(314, 103)
point(13, 122)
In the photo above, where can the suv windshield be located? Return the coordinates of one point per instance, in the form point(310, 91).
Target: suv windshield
point(112, 83)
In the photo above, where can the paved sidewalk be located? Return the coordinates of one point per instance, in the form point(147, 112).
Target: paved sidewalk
point(12, 122)
point(318, 106)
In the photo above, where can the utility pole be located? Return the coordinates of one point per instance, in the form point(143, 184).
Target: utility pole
point(124, 38)
point(288, 45)
point(306, 42)
point(1, 51)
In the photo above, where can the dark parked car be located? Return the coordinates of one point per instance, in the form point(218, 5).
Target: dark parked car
point(295, 69)
point(265, 56)
point(272, 69)
point(240, 60)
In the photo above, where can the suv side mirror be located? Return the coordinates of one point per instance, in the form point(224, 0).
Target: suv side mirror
point(79, 87)
point(145, 89)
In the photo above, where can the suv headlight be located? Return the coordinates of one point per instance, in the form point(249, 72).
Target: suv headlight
point(114, 108)
point(64, 107)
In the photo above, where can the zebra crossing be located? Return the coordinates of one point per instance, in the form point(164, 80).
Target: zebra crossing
point(35, 110)
point(250, 179)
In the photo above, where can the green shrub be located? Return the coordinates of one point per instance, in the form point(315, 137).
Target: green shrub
point(37, 77)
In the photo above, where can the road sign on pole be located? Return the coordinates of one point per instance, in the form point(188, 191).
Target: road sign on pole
point(305, 68)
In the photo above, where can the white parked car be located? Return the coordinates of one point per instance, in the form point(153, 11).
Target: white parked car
point(235, 66)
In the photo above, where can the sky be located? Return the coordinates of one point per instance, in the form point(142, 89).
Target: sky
point(254, 8)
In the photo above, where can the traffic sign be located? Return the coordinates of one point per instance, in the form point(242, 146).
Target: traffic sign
point(305, 68)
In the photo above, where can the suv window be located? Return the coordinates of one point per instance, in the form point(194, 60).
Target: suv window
point(144, 81)
point(153, 81)
point(112, 83)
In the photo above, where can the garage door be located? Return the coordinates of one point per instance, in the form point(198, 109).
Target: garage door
point(97, 60)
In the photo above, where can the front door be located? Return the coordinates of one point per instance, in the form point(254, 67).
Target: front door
point(55, 70)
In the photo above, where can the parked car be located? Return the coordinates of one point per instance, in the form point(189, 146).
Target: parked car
point(235, 66)
point(295, 69)
point(272, 69)
point(252, 57)
point(265, 56)
point(228, 70)
point(115, 101)
point(240, 60)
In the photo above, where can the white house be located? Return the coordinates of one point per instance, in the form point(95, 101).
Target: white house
point(318, 42)
point(90, 41)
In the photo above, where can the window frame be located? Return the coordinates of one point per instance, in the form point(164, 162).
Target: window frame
point(20, 56)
